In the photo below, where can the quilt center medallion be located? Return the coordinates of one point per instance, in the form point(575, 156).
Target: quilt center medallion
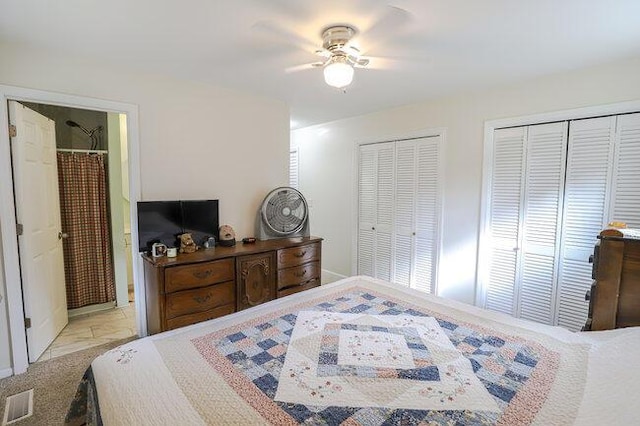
point(341, 359)
point(374, 348)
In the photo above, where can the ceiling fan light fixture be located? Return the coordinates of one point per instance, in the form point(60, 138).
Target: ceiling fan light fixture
point(338, 72)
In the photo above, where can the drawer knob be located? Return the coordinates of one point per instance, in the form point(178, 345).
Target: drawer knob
point(202, 299)
point(202, 274)
point(300, 274)
point(301, 254)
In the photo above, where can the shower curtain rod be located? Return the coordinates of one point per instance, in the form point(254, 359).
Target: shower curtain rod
point(87, 151)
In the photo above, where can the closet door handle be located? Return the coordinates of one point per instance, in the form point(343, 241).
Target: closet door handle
point(62, 235)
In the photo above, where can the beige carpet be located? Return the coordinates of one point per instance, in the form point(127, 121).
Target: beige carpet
point(54, 384)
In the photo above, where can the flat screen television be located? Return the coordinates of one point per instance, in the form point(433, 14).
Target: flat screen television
point(163, 221)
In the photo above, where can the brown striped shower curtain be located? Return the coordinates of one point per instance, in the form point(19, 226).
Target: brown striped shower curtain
point(88, 264)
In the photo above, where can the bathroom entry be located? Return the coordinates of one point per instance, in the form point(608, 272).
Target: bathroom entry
point(79, 175)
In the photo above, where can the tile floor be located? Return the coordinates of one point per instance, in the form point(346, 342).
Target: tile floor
point(85, 331)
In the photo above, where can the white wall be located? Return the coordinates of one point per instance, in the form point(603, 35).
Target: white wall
point(196, 140)
point(327, 169)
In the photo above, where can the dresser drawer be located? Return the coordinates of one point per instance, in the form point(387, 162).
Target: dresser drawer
point(298, 274)
point(199, 300)
point(295, 256)
point(189, 319)
point(314, 282)
point(193, 276)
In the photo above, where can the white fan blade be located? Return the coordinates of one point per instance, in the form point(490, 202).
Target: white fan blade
point(303, 67)
point(323, 52)
point(380, 63)
point(352, 50)
point(389, 24)
point(274, 32)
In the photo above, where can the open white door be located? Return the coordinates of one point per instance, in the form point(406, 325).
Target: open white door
point(35, 175)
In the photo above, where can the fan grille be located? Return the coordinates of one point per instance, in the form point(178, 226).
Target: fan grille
point(284, 211)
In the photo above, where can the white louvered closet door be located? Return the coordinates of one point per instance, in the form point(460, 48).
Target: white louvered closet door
point(367, 201)
point(546, 149)
point(588, 177)
point(375, 210)
point(505, 207)
point(405, 211)
point(399, 204)
point(417, 209)
point(293, 168)
point(384, 211)
point(427, 213)
point(625, 196)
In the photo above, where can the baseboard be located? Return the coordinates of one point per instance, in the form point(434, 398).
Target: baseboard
point(7, 372)
point(329, 277)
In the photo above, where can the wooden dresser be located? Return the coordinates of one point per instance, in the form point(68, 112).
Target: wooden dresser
point(614, 299)
point(211, 283)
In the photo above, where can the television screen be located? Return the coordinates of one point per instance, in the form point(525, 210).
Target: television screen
point(163, 221)
point(158, 222)
point(200, 218)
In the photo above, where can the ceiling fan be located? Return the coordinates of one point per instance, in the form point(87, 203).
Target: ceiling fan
point(342, 42)
point(340, 57)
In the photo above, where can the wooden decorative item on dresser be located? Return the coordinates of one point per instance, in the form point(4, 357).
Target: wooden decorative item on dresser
point(211, 283)
point(614, 299)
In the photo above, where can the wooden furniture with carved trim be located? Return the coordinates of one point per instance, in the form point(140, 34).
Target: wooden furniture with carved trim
point(298, 268)
point(211, 283)
point(256, 279)
point(614, 299)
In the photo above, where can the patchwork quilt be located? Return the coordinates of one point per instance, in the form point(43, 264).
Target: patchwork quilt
point(357, 352)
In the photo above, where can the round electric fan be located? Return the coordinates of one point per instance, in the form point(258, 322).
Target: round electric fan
point(284, 213)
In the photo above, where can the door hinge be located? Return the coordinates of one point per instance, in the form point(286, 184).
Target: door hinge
point(13, 131)
point(27, 323)
point(19, 229)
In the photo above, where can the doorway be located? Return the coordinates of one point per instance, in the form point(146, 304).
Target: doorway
point(76, 154)
point(17, 347)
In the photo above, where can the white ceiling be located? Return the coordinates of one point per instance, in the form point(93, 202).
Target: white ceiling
point(439, 47)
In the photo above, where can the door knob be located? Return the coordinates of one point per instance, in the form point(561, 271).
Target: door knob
point(62, 235)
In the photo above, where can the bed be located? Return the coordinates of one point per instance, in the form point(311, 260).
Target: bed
point(365, 352)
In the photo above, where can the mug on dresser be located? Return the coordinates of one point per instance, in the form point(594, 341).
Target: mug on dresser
point(158, 249)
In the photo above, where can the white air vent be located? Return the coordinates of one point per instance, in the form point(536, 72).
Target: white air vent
point(18, 407)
